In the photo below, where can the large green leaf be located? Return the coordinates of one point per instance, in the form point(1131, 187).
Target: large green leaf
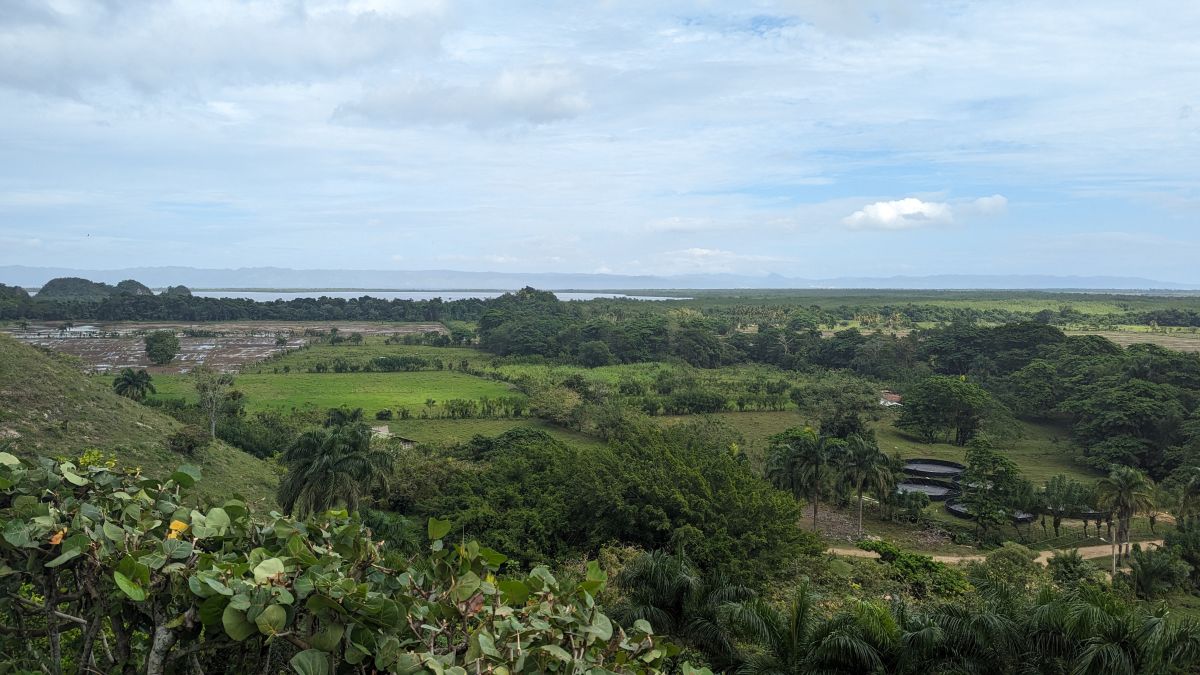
point(311, 662)
point(64, 557)
point(212, 609)
point(8, 459)
point(438, 528)
point(186, 475)
point(134, 591)
point(236, 625)
point(271, 620)
point(268, 570)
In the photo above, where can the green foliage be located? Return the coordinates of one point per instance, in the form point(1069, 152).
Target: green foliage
point(332, 466)
point(187, 441)
point(162, 346)
point(91, 552)
point(922, 575)
point(652, 488)
point(945, 407)
point(133, 385)
point(1157, 571)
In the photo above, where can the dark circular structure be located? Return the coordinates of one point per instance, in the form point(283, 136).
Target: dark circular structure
point(937, 490)
point(933, 468)
point(957, 508)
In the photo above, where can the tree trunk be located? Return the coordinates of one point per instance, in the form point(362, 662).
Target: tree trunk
point(814, 514)
point(860, 511)
point(164, 639)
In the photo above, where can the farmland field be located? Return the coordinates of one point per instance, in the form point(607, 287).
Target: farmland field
point(369, 391)
point(1180, 341)
point(226, 346)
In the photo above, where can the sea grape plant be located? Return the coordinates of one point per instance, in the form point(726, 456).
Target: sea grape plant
point(103, 570)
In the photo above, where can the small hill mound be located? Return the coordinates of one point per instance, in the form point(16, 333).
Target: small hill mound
point(133, 287)
point(13, 293)
point(74, 288)
point(48, 408)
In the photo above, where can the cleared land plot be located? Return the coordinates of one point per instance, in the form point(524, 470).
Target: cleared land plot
point(448, 432)
point(229, 346)
point(1178, 341)
point(104, 355)
point(235, 327)
point(369, 391)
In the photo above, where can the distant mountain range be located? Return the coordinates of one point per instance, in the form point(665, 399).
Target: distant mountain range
point(283, 278)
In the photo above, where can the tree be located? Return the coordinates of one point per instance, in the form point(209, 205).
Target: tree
point(942, 406)
point(799, 462)
point(1124, 492)
point(133, 384)
point(863, 466)
point(1063, 496)
point(988, 482)
point(331, 466)
point(673, 595)
point(212, 388)
point(161, 347)
point(595, 353)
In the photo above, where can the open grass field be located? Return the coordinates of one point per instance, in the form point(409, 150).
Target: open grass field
point(369, 391)
point(449, 432)
point(373, 347)
point(1041, 451)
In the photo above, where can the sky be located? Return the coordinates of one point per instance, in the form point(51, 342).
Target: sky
point(807, 138)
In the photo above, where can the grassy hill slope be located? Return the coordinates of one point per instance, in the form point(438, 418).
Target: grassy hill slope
point(47, 407)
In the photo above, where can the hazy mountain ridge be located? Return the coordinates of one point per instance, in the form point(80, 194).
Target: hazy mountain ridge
point(278, 277)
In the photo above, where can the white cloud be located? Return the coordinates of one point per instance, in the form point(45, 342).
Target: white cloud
point(532, 96)
point(990, 206)
point(901, 214)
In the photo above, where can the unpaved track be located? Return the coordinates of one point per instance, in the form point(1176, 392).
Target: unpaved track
point(1043, 557)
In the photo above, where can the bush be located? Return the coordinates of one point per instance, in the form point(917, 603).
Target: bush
point(187, 441)
point(161, 346)
point(223, 587)
point(383, 415)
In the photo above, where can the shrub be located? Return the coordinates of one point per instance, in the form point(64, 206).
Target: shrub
point(383, 415)
point(187, 441)
point(227, 590)
point(161, 346)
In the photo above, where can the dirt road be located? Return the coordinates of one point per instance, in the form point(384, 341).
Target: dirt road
point(1043, 557)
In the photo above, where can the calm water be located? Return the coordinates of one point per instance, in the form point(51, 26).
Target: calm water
point(266, 296)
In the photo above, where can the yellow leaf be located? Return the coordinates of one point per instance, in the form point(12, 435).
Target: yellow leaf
point(178, 526)
point(58, 537)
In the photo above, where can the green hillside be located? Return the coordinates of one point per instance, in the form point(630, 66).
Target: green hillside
point(48, 408)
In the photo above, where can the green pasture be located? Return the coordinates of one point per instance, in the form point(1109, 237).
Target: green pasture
point(369, 391)
point(373, 347)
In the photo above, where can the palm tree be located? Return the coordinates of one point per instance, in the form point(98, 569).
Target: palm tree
point(331, 466)
point(800, 463)
point(338, 417)
point(668, 591)
point(1124, 492)
point(862, 465)
point(133, 385)
point(862, 639)
point(1189, 497)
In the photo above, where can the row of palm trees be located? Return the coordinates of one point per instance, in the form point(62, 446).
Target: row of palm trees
point(808, 465)
point(1081, 629)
